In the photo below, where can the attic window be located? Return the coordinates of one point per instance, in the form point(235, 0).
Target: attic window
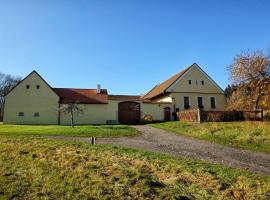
point(189, 82)
point(38, 86)
point(21, 114)
point(27, 86)
point(202, 82)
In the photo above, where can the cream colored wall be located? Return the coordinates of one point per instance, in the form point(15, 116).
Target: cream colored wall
point(92, 114)
point(31, 100)
point(194, 74)
point(155, 110)
point(100, 113)
point(179, 100)
point(165, 99)
point(45, 101)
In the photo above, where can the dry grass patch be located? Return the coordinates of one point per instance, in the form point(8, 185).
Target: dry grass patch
point(248, 135)
point(42, 168)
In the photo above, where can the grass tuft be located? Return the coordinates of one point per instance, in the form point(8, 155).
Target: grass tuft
point(38, 168)
point(82, 131)
point(247, 135)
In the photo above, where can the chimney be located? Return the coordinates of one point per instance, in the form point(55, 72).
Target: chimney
point(98, 88)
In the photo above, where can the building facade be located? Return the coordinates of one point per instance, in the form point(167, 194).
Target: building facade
point(34, 101)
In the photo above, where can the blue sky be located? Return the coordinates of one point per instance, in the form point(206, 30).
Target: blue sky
point(127, 46)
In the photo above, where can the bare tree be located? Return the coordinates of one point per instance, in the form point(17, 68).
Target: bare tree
point(7, 82)
point(71, 109)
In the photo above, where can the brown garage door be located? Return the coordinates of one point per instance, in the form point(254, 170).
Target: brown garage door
point(129, 112)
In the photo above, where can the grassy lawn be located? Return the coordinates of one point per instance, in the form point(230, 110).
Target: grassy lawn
point(248, 135)
point(39, 168)
point(95, 131)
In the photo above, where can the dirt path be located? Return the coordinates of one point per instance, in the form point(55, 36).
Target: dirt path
point(157, 140)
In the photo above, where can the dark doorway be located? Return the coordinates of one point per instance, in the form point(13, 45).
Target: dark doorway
point(129, 112)
point(167, 114)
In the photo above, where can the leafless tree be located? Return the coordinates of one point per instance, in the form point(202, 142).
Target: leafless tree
point(71, 109)
point(7, 82)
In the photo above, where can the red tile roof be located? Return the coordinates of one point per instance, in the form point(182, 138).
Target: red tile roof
point(124, 97)
point(88, 96)
point(160, 89)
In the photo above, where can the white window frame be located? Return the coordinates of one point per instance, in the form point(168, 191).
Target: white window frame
point(202, 101)
point(215, 102)
point(189, 102)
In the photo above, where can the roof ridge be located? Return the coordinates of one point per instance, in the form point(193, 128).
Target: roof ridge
point(78, 88)
point(161, 88)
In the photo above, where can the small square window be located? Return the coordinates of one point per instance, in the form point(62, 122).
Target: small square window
point(36, 114)
point(27, 86)
point(38, 86)
point(202, 82)
point(21, 114)
point(189, 82)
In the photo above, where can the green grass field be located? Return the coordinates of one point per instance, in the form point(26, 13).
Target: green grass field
point(39, 168)
point(84, 131)
point(248, 135)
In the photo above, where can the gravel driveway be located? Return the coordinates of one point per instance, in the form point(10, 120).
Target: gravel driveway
point(157, 140)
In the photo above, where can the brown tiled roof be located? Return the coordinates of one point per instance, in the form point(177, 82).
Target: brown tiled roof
point(88, 96)
point(160, 89)
point(124, 97)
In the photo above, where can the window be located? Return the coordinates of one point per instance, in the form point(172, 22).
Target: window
point(186, 102)
point(21, 114)
point(202, 82)
point(38, 86)
point(27, 86)
point(189, 82)
point(213, 102)
point(200, 102)
point(36, 114)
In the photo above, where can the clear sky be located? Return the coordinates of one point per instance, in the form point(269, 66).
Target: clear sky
point(127, 46)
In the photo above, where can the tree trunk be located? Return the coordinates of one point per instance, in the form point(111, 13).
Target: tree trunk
point(257, 99)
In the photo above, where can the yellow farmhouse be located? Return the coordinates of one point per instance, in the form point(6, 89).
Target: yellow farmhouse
point(34, 101)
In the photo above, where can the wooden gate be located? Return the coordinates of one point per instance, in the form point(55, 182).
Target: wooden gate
point(167, 114)
point(129, 112)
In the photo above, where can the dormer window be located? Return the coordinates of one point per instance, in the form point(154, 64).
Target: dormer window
point(38, 86)
point(202, 82)
point(27, 86)
point(189, 82)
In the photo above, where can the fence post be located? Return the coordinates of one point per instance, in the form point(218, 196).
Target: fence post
point(199, 115)
point(262, 114)
point(93, 140)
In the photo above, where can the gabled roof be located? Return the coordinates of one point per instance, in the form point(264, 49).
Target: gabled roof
point(124, 97)
point(71, 95)
point(33, 72)
point(161, 88)
point(87, 96)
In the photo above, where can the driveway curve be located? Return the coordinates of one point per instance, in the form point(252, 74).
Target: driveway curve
point(157, 140)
